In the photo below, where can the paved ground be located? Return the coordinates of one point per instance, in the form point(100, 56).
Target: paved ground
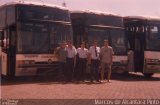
point(132, 86)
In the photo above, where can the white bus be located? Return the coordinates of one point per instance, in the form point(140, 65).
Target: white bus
point(95, 25)
point(29, 33)
point(143, 34)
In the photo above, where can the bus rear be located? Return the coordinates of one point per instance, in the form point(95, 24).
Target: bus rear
point(31, 33)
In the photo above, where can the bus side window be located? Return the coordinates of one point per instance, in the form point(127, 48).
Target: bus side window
point(154, 32)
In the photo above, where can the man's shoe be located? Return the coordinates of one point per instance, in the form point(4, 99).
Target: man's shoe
point(98, 81)
point(91, 81)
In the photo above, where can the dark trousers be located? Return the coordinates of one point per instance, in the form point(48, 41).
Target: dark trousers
point(62, 67)
point(70, 69)
point(81, 68)
point(94, 70)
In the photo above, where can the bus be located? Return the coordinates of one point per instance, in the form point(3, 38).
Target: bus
point(94, 25)
point(29, 33)
point(143, 38)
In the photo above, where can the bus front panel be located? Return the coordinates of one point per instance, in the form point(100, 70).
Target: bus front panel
point(36, 42)
point(34, 64)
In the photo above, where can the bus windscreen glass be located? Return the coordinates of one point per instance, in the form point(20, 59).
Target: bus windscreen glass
point(153, 40)
point(118, 42)
point(38, 13)
point(97, 34)
point(116, 39)
point(41, 38)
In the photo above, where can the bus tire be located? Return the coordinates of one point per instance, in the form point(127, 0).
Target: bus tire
point(148, 75)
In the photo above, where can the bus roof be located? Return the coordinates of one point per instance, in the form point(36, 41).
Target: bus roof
point(149, 18)
point(96, 12)
point(34, 4)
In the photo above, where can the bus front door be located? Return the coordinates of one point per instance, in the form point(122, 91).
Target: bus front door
point(139, 53)
point(12, 51)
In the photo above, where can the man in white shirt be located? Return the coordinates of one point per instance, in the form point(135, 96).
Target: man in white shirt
point(94, 52)
point(106, 56)
point(71, 60)
point(82, 55)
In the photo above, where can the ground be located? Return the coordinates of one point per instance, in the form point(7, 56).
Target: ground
point(131, 86)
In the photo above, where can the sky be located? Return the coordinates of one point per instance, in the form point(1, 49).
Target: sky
point(120, 7)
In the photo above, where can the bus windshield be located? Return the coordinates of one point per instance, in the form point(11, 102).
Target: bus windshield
point(116, 39)
point(97, 34)
point(153, 40)
point(118, 42)
point(41, 38)
point(27, 12)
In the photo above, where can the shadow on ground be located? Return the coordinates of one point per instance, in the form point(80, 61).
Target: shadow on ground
point(48, 80)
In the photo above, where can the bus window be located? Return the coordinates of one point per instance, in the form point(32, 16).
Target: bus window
point(118, 42)
point(153, 41)
point(60, 33)
point(38, 13)
point(33, 38)
point(154, 32)
point(154, 29)
point(140, 29)
point(97, 34)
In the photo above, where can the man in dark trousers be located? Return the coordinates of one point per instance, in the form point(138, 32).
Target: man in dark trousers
point(95, 61)
point(82, 54)
point(71, 60)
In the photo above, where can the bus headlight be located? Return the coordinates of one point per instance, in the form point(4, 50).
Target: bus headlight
point(25, 62)
point(152, 60)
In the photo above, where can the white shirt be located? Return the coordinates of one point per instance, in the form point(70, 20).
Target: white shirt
point(93, 52)
point(83, 53)
point(106, 54)
point(71, 52)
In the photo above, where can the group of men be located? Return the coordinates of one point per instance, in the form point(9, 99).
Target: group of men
point(71, 58)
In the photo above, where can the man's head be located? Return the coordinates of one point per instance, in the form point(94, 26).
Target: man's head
point(95, 42)
point(69, 43)
point(106, 43)
point(82, 44)
point(63, 44)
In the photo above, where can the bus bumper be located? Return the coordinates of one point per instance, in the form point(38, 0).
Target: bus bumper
point(118, 67)
point(36, 69)
point(152, 68)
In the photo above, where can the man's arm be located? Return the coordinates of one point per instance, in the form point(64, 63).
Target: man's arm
point(56, 51)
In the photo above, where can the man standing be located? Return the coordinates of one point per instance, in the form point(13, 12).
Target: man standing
point(71, 60)
point(106, 56)
point(82, 54)
point(61, 53)
point(94, 57)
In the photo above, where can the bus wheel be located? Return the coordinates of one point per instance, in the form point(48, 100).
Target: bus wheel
point(148, 75)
